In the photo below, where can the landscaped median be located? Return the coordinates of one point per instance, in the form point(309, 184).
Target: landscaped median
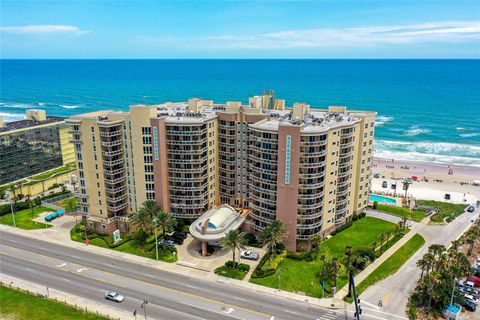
point(301, 272)
point(128, 244)
point(17, 304)
point(415, 215)
point(392, 264)
point(233, 270)
point(445, 212)
point(24, 219)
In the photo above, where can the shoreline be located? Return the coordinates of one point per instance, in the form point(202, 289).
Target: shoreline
point(433, 180)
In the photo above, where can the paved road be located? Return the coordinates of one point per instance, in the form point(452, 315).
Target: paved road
point(170, 296)
point(395, 290)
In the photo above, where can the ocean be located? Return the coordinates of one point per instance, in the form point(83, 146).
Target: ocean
point(428, 110)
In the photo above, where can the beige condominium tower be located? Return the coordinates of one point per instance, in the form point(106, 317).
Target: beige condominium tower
point(310, 168)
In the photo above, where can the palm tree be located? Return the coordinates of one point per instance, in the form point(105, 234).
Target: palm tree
point(272, 235)
point(374, 246)
point(423, 265)
point(436, 249)
point(335, 269)
point(166, 221)
point(145, 215)
point(470, 239)
point(383, 237)
point(430, 261)
point(234, 240)
point(404, 221)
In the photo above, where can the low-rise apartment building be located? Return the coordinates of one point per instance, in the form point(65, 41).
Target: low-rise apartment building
point(310, 168)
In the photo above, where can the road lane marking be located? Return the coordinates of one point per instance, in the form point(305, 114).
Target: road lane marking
point(386, 313)
point(370, 304)
point(61, 265)
point(82, 269)
point(286, 310)
point(143, 282)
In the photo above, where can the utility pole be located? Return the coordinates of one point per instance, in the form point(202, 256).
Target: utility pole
point(358, 308)
point(7, 198)
point(453, 290)
point(156, 240)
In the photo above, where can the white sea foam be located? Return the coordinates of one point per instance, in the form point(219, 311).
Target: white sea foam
point(8, 117)
point(469, 135)
point(438, 152)
point(381, 120)
point(415, 131)
point(460, 129)
point(17, 105)
point(41, 104)
point(69, 107)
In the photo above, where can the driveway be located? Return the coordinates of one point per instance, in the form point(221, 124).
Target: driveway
point(395, 290)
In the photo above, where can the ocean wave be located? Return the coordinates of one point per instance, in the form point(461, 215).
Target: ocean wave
point(469, 135)
point(69, 107)
point(41, 104)
point(17, 105)
point(415, 131)
point(441, 152)
point(423, 157)
point(460, 129)
point(8, 117)
point(381, 120)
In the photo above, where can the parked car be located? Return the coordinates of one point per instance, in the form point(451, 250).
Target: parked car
point(471, 208)
point(249, 255)
point(180, 235)
point(461, 283)
point(471, 298)
point(468, 305)
point(51, 216)
point(166, 242)
point(475, 280)
point(469, 284)
point(384, 184)
point(114, 296)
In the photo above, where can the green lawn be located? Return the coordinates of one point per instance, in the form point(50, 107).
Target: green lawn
point(21, 305)
point(302, 276)
point(68, 203)
point(52, 173)
point(446, 211)
point(402, 212)
point(230, 273)
point(23, 219)
point(128, 246)
point(393, 263)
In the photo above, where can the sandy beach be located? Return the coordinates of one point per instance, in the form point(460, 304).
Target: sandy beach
point(442, 179)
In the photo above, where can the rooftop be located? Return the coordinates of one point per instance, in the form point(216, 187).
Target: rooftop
point(215, 223)
point(24, 124)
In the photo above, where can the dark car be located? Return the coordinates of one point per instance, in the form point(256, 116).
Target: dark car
point(167, 242)
point(471, 209)
point(469, 305)
point(179, 235)
point(384, 184)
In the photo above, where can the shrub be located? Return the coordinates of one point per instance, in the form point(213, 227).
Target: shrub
point(365, 252)
point(179, 225)
point(251, 239)
point(244, 267)
point(375, 204)
point(342, 227)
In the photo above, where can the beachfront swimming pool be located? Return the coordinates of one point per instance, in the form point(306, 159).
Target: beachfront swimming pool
point(380, 199)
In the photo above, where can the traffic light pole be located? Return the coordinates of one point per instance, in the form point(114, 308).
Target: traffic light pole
point(358, 309)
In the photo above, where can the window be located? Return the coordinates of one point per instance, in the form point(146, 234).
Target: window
point(146, 130)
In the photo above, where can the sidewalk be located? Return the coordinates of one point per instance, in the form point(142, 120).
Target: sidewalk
point(61, 238)
point(74, 301)
point(374, 265)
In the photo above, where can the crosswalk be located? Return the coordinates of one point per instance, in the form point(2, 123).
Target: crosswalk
point(330, 315)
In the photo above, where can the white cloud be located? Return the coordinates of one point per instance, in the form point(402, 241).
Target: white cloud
point(42, 29)
point(421, 33)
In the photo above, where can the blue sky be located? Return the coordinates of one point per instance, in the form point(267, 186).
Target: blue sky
point(240, 29)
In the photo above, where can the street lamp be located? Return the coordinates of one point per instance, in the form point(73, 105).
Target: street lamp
point(7, 198)
point(156, 240)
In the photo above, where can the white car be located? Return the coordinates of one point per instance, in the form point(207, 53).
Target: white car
point(249, 255)
point(469, 284)
point(114, 296)
point(461, 283)
point(471, 298)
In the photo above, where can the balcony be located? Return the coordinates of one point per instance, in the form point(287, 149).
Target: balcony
point(342, 201)
point(348, 134)
point(80, 195)
point(115, 189)
point(111, 133)
point(310, 196)
point(116, 199)
point(344, 174)
point(113, 172)
point(112, 153)
point(310, 206)
point(343, 183)
point(308, 226)
point(111, 143)
point(76, 140)
point(115, 180)
point(117, 207)
point(344, 164)
point(314, 215)
point(113, 162)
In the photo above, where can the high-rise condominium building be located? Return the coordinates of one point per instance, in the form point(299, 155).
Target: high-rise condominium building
point(310, 168)
point(33, 145)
